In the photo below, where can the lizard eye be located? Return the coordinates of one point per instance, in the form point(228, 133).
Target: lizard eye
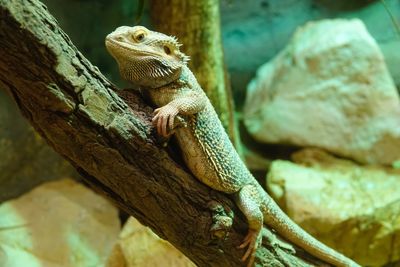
point(139, 36)
point(167, 50)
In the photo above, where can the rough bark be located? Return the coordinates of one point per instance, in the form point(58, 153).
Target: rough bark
point(81, 115)
point(197, 26)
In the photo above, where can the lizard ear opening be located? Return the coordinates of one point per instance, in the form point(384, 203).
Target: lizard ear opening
point(167, 50)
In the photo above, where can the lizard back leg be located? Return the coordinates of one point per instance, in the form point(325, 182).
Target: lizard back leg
point(248, 204)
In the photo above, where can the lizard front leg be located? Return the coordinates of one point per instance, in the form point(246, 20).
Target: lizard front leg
point(165, 117)
point(246, 199)
point(187, 102)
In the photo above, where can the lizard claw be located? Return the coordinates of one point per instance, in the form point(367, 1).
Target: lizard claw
point(164, 118)
point(252, 241)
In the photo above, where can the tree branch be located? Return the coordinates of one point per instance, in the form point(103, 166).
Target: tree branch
point(85, 119)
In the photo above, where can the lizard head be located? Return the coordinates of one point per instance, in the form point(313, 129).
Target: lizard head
point(145, 57)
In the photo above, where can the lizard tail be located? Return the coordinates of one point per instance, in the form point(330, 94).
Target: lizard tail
point(278, 220)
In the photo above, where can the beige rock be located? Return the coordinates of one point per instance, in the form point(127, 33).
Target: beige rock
point(390, 50)
point(58, 224)
point(353, 209)
point(329, 88)
point(138, 246)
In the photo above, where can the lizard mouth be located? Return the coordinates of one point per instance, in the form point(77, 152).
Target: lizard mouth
point(127, 47)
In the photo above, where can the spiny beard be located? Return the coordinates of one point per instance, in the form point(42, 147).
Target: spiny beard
point(151, 71)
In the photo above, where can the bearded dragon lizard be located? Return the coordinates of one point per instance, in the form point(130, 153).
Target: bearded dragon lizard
point(153, 61)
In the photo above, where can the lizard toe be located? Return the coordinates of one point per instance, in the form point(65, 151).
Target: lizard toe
point(252, 242)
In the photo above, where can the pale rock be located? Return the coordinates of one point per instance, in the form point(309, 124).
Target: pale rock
point(58, 224)
point(329, 88)
point(353, 209)
point(138, 246)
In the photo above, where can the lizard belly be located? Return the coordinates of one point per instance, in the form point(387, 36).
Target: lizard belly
point(197, 160)
point(210, 155)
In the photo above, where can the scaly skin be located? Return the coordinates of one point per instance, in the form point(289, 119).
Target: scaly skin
point(153, 61)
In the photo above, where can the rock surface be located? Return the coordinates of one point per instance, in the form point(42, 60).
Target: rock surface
point(255, 31)
point(58, 224)
point(353, 209)
point(329, 88)
point(138, 246)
